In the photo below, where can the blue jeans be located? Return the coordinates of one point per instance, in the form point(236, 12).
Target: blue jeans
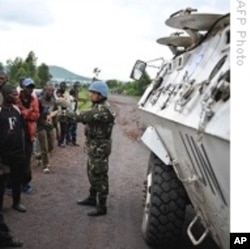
point(71, 132)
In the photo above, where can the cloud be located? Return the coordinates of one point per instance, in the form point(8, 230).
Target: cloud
point(25, 12)
point(83, 34)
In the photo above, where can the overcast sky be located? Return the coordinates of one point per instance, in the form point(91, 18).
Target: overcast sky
point(80, 35)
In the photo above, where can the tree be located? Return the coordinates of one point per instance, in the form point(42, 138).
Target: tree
point(15, 70)
point(30, 64)
point(142, 84)
point(1, 67)
point(113, 83)
point(43, 74)
point(137, 88)
point(27, 68)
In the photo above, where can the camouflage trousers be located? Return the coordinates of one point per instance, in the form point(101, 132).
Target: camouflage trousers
point(98, 166)
point(98, 176)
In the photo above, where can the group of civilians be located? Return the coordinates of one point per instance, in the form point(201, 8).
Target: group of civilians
point(27, 121)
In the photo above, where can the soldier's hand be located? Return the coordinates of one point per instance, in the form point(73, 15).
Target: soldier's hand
point(71, 115)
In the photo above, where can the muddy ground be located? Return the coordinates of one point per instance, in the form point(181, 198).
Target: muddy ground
point(54, 220)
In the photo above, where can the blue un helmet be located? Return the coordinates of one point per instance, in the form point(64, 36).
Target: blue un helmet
point(99, 87)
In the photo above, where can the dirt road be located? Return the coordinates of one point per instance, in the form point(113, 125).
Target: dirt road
point(55, 221)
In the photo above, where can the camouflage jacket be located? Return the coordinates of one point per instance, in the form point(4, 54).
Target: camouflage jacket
point(98, 120)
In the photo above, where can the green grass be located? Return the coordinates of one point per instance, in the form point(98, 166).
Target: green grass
point(84, 103)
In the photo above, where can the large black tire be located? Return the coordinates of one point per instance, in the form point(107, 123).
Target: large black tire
point(165, 204)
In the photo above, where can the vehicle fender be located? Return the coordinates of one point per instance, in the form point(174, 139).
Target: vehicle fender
point(153, 141)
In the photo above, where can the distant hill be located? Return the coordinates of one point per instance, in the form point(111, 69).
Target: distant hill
point(60, 73)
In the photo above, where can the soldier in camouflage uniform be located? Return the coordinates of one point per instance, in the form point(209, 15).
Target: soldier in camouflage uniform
point(99, 121)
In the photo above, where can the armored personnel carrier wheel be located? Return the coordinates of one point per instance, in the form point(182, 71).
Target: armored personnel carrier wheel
point(165, 203)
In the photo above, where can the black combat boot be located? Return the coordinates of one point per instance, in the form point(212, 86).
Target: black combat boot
point(89, 201)
point(101, 208)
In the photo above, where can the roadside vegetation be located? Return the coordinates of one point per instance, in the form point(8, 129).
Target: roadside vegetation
point(84, 102)
point(133, 88)
point(28, 67)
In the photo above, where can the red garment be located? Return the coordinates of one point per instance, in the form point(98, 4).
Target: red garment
point(30, 115)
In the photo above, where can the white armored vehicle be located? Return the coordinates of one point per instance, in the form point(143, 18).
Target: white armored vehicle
point(187, 109)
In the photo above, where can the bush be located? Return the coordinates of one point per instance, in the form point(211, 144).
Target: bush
point(83, 102)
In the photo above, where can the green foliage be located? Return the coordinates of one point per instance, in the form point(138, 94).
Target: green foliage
point(27, 68)
point(134, 88)
point(30, 64)
point(43, 74)
point(15, 69)
point(1, 67)
point(84, 101)
point(113, 83)
point(131, 91)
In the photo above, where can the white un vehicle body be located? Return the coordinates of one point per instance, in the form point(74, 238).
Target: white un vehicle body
point(187, 109)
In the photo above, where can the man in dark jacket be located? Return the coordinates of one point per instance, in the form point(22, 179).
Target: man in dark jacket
point(99, 121)
point(12, 152)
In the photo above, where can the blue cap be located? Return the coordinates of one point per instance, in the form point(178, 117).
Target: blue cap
point(27, 82)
